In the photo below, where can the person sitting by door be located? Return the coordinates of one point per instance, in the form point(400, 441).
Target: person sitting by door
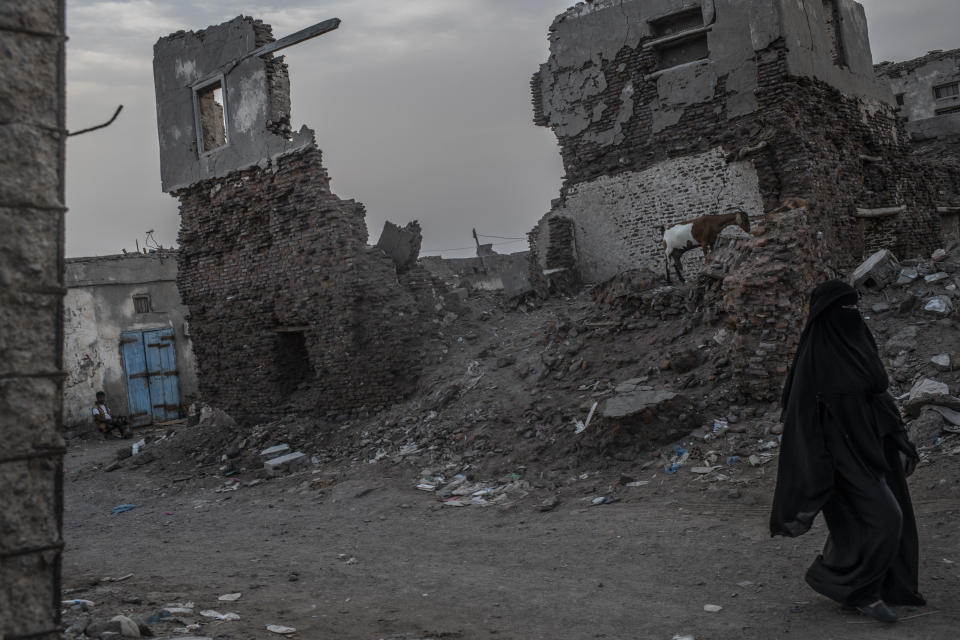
point(106, 423)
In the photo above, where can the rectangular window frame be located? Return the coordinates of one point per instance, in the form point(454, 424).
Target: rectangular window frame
point(666, 39)
point(940, 91)
point(142, 303)
point(197, 89)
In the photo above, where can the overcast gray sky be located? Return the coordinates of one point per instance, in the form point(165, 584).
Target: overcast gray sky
point(421, 108)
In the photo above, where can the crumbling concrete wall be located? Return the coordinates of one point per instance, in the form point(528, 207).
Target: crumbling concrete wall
point(667, 110)
point(255, 95)
point(32, 128)
point(99, 307)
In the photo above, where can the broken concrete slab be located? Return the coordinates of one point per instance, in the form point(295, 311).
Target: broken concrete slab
point(516, 282)
point(402, 244)
point(929, 392)
point(876, 272)
point(274, 452)
point(636, 401)
point(950, 415)
point(287, 464)
point(936, 277)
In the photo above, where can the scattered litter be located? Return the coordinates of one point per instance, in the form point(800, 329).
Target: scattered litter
point(137, 446)
point(229, 485)
point(712, 608)
point(733, 460)
point(638, 483)
point(79, 601)
point(190, 628)
point(582, 426)
point(123, 507)
point(796, 609)
point(210, 613)
point(120, 579)
point(704, 470)
point(282, 630)
point(679, 637)
point(230, 597)
point(680, 456)
point(771, 444)
point(604, 500)
point(128, 628)
point(720, 426)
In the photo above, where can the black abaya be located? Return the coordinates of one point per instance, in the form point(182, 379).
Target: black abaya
point(842, 453)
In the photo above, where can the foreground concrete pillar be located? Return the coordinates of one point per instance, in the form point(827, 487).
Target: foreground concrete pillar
point(32, 134)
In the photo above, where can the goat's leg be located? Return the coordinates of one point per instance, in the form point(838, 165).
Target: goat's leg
point(667, 261)
point(676, 264)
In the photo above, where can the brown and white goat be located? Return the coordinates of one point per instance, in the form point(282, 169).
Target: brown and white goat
point(700, 232)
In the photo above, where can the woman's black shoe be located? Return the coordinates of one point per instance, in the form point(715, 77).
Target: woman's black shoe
point(878, 611)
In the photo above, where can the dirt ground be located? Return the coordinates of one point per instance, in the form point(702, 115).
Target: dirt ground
point(643, 567)
point(348, 547)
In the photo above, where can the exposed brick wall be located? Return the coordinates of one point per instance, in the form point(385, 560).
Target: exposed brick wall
point(270, 249)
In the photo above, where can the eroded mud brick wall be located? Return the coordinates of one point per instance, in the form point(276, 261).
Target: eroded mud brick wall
point(289, 308)
point(32, 129)
point(666, 110)
point(287, 303)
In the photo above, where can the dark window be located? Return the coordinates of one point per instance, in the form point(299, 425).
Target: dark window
point(292, 361)
point(684, 51)
point(141, 304)
point(677, 23)
point(210, 116)
point(946, 110)
point(834, 26)
point(947, 90)
point(899, 98)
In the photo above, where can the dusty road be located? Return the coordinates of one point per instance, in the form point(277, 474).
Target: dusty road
point(370, 557)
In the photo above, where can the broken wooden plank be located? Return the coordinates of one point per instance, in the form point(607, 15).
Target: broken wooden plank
point(295, 38)
point(882, 212)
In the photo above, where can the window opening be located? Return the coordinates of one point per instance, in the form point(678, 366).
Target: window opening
point(680, 49)
point(947, 91)
point(141, 304)
point(947, 110)
point(211, 119)
point(292, 361)
point(899, 98)
point(832, 21)
point(677, 22)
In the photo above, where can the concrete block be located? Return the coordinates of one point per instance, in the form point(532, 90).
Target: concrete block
point(27, 321)
point(36, 15)
point(30, 79)
point(274, 452)
point(628, 404)
point(287, 464)
point(939, 305)
point(28, 166)
point(516, 282)
point(876, 272)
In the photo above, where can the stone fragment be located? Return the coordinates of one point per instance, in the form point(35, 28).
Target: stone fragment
point(939, 255)
point(880, 307)
point(876, 272)
point(938, 305)
point(941, 361)
point(907, 276)
point(286, 464)
point(950, 415)
point(936, 277)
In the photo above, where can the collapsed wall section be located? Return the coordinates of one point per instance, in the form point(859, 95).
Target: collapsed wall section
point(288, 306)
point(668, 110)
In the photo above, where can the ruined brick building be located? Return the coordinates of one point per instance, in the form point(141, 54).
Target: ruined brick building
point(666, 110)
point(288, 306)
point(927, 93)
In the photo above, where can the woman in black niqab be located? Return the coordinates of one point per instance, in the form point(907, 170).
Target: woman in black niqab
point(845, 452)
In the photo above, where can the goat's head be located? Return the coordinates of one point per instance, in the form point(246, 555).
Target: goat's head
point(743, 220)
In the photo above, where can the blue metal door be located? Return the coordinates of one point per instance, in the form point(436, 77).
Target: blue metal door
point(135, 366)
point(162, 370)
point(149, 359)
